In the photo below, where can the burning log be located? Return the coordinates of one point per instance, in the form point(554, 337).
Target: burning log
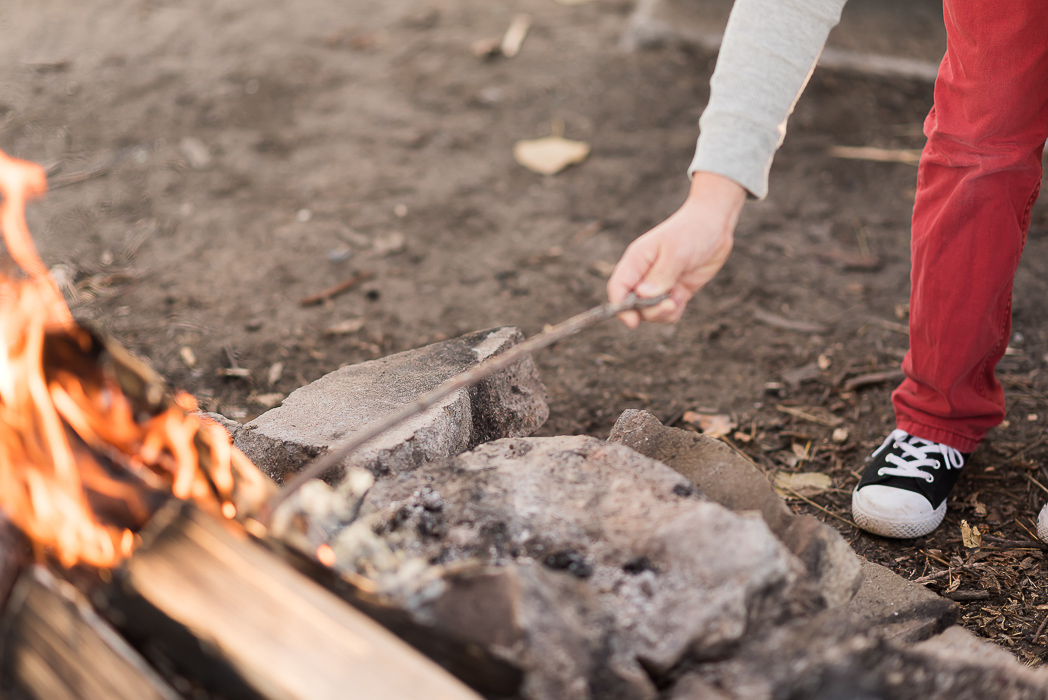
point(97, 458)
point(54, 646)
point(227, 612)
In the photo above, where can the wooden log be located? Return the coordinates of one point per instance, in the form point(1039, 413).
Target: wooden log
point(53, 646)
point(229, 613)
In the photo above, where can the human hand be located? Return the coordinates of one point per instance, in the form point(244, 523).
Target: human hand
point(681, 254)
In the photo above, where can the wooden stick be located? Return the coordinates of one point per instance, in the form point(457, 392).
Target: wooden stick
point(466, 379)
point(343, 286)
point(233, 615)
point(55, 646)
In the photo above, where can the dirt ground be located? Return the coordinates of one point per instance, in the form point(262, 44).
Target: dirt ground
point(328, 138)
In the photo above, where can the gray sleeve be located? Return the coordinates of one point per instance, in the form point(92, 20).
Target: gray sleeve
point(769, 50)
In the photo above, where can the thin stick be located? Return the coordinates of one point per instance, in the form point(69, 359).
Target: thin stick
point(459, 381)
point(343, 286)
point(816, 505)
point(948, 572)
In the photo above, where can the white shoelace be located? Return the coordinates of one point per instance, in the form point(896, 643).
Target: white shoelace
point(916, 454)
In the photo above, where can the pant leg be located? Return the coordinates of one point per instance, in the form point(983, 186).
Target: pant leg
point(979, 175)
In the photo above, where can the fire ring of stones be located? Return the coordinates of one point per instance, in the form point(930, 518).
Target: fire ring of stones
point(656, 564)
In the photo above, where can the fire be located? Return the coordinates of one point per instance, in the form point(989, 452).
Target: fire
point(82, 464)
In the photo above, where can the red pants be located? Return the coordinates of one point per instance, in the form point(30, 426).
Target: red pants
point(978, 178)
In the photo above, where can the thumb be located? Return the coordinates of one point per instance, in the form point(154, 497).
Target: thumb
point(662, 276)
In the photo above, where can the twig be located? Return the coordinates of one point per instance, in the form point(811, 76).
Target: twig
point(343, 286)
point(948, 572)
point(1036, 443)
point(1040, 629)
point(815, 505)
point(1035, 482)
point(862, 380)
point(967, 596)
point(459, 381)
point(831, 422)
point(1015, 544)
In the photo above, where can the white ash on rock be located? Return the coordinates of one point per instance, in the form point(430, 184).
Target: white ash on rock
point(652, 571)
point(601, 573)
point(317, 417)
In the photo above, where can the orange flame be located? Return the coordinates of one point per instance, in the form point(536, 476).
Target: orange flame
point(77, 465)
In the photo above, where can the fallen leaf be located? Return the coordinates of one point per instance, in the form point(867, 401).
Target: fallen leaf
point(276, 371)
point(347, 327)
point(188, 356)
point(513, 39)
point(389, 243)
point(715, 425)
point(909, 156)
point(970, 536)
point(197, 154)
point(268, 400)
point(602, 268)
point(550, 154)
point(788, 484)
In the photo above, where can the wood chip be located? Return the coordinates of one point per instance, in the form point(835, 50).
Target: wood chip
point(343, 286)
point(908, 156)
point(514, 37)
point(788, 484)
point(715, 425)
point(550, 154)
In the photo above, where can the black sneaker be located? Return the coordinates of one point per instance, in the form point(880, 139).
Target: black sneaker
point(903, 491)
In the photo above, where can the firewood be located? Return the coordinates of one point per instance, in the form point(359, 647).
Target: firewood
point(229, 613)
point(55, 646)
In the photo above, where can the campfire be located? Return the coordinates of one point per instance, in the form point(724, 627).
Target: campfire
point(98, 460)
point(453, 558)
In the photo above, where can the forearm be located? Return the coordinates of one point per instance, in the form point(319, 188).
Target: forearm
point(769, 50)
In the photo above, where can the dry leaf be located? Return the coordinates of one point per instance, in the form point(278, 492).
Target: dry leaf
point(715, 425)
point(602, 268)
point(840, 435)
point(390, 243)
point(347, 327)
point(276, 371)
point(188, 356)
point(513, 39)
point(550, 154)
point(268, 400)
point(787, 484)
point(909, 156)
point(970, 536)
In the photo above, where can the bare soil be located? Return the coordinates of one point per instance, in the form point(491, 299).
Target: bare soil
point(327, 127)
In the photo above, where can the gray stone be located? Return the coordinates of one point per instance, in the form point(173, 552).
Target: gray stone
point(830, 657)
point(728, 478)
point(652, 571)
point(316, 417)
point(900, 609)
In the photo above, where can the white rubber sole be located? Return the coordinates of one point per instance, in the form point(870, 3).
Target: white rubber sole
point(891, 512)
point(1042, 524)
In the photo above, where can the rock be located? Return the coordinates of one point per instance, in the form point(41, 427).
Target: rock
point(903, 610)
point(726, 477)
point(634, 566)
point(830, 657)
point(316, 417)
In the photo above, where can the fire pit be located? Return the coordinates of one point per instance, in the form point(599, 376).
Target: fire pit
point(657, 564)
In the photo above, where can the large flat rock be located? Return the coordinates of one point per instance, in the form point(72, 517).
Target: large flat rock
point(318, 417)
point(725, 476)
